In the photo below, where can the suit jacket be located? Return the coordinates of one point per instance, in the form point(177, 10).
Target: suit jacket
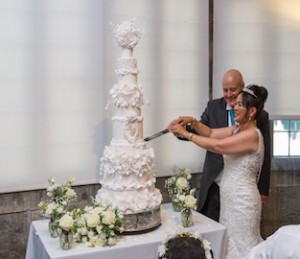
point(215, 116)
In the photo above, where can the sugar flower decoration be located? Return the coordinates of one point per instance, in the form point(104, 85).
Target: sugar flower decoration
point(127, 34)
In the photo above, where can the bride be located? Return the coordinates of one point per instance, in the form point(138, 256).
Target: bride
point(243, 149)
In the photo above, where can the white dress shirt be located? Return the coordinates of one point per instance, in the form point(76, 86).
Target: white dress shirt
point(283, 244)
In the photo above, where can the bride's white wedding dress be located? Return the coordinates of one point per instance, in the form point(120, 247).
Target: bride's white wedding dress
point(241, 202)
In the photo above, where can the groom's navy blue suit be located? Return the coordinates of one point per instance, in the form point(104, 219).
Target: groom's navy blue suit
point(216, 116)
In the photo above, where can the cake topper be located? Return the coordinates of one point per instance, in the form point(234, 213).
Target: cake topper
point(127, 34)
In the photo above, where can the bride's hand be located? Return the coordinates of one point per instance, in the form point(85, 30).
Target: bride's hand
point(176, 128)
point(184, 120)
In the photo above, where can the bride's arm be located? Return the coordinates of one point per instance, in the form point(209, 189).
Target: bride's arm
point(246, 141)
point(204, 130)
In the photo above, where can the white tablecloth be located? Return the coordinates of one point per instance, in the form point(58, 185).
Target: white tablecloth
point(41, 245)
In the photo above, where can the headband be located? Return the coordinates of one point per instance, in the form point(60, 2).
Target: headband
point(249, 91)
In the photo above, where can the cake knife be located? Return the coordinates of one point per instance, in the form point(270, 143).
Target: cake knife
point(156, 135)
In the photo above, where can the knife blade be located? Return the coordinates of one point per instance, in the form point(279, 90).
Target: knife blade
point(156, 135)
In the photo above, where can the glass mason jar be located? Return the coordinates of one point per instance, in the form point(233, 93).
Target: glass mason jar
point(53, 227)
point(187, 218)
point(66, 239)
point(176, 205)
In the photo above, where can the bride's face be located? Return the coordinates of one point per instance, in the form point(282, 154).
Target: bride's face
point(240, 112)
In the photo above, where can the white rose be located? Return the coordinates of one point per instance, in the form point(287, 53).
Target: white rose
point(99, 229)
point(91, 234)
point(83, 231)
point(80, 222)
point(60, 210)
point(93, 241)
point(190, 201)
point(109, 217)
point(96, 241)
point(93, 220)
point(182, 183)
point(88, 208)
point(112, 241)
point(70, 193)
point(71, 180)
point(66, 222)
point(96, 210)
point(181, 197)
point(52, 206)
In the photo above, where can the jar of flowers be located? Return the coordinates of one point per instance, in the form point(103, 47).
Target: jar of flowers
point(66, 224)
point(178, 185)
point(58, 198)
point(188, 204)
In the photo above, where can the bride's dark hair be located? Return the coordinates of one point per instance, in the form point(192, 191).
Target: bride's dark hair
point(254, 96)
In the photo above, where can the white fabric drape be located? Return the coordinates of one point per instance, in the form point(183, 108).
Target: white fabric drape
point(57, 62)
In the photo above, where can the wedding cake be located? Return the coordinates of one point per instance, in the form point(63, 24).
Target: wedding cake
point(127, 165)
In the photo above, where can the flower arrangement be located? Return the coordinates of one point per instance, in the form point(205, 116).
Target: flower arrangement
point(189, 201)
point(59, 197)
point(97, 225)
point(66, 224)
point(179, 183)
point(179, 188)
point(176, 235)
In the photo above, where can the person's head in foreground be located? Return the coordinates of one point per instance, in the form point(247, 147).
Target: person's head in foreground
point(185, 246)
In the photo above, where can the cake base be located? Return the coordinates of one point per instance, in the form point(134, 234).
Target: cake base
point(142, 222)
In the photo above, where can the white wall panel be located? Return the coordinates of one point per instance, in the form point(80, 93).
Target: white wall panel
point(57, 65)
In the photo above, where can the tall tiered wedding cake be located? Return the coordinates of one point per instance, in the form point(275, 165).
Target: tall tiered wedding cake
point(126, 170)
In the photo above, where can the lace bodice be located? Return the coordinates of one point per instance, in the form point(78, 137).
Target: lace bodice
point(240, 200)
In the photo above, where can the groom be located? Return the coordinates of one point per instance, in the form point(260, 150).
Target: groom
point(217, 115)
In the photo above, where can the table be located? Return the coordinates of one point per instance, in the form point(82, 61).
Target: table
point(41, 246)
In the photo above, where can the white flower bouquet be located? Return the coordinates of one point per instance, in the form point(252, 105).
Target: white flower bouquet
point(97, 225)
point(59, 197)
point(179, 184)
point(188, 202)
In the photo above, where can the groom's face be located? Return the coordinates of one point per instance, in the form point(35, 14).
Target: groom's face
point(232, 84)
point(231, 92)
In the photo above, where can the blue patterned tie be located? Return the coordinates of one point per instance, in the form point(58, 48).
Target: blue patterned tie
point(231, 112)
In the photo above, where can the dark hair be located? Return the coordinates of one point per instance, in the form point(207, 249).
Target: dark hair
point(184, 247)
point(254, 96)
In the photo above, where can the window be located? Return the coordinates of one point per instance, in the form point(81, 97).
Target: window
point(286, 137)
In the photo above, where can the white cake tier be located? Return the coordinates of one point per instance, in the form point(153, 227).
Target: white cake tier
point(122, 162)
point(129, 202)
point(124, 95)
point(128, 128)
point(128, 182)
point(126, 66)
